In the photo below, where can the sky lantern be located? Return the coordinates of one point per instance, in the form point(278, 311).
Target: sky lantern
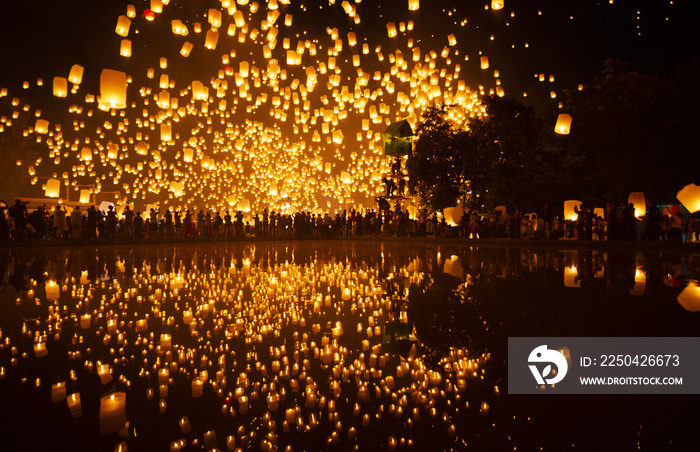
point(60, 86)
point(166, 132)
point(569, 212)
point(239, 19)
point(563, 125)
point(41, 126)
point(123, 25)
point(484, 62)
point(164, 99)
point(86, 154)
point(149, 14)
point(157, 6)
point(640, 203)
point(84, 196)
point(188, 154)
point(413, 5)
point(177, 188)
point(113, 89)
point(130, 11)
point(125, 48)
point(689, 196)
point(142, 148)
point(293, 58)
point(211, 40)
point(75, 75)
point(53, 188)
point(496, 4)
point(391, 29)
point(214, 17)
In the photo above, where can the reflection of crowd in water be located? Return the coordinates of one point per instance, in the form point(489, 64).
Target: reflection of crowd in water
point(620, 269)
point(618, 223)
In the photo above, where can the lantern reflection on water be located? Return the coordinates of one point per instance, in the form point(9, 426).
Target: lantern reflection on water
point(689, 298)
point(112, 413)
point(287, 357)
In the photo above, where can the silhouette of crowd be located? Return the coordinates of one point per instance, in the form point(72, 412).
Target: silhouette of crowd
point(17, 223)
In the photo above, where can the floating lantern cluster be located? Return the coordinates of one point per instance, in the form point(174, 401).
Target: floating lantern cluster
point(299, 345)
point(277, 107)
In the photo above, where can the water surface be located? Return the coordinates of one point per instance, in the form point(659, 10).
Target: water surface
point(326, 345)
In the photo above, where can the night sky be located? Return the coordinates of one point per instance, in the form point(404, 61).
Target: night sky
point(294, 140)
point(567, 39)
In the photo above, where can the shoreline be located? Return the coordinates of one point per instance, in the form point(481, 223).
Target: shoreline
point(491, 243)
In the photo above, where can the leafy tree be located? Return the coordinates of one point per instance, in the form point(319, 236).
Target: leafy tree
point(503, 166)
point(635, 132)
point(435, 166)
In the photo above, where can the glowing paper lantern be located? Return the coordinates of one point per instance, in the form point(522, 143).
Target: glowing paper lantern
point(53, 188)
point(113, 89)
point(484, 62)
point(123, 25)
point(689, 196)
point(569, 213)
point(453, 215)
point(125, 48)
point(496, 4)
point(166, 132)
point(214, 17)
point(211, 40)
point(563, 125)
point(142, 148)
point(60, 86)
point(84, 196)
point(41, 126)
point(177, 188)
point(187, 154)
point(157, 6)
point(413, 5)
point(640, 203)
point(112, 413)
point(75, 75)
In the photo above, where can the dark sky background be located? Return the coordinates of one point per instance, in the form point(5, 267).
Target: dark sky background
point(568, 39)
